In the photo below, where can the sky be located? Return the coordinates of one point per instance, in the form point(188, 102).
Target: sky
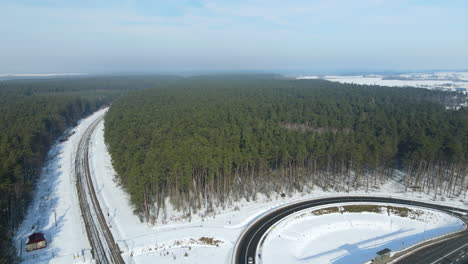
point(133, 36)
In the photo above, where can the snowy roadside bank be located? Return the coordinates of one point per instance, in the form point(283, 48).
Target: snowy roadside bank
point(352, 232)
point(55, 210)
point(173, 242)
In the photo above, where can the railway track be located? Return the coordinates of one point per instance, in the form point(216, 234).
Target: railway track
point(105, 250)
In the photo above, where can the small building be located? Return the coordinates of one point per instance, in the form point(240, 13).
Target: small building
point(36, 241)
point(383, 256)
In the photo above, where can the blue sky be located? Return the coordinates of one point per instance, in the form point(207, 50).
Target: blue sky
point(117, 36)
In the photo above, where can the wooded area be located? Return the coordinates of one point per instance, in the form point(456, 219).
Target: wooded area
point(34, 114)
point(204, 142)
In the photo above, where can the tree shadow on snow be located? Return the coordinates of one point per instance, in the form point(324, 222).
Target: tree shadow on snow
point(360, 255)
point(42, 215)
point(355, 247)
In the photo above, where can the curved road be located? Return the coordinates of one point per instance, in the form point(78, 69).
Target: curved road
point(105, 250)
point(247, 245)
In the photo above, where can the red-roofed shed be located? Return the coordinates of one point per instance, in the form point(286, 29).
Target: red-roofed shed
point(36, 241)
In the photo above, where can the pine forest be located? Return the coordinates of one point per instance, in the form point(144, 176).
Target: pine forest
point(205, 142)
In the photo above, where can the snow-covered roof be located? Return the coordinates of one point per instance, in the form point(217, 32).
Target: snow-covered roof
point(35, 238)
point(384, 251)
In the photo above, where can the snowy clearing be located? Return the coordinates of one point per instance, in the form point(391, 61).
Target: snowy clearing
point(352, 232)
point(55, 210)
point(438, 80)
point(39, 74)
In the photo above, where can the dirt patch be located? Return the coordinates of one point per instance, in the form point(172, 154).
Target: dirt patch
point(358, 208)
point(210, 241)
point(325, 211)
point(368, 208)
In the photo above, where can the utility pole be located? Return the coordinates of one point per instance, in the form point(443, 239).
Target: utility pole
point(424, 236)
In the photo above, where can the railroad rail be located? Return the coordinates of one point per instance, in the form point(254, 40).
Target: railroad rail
point(105, 250)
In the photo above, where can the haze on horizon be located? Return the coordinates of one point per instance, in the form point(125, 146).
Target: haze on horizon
point(205, 35)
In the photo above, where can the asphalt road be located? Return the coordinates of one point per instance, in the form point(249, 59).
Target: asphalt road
point(453, 251)
point(105, 250)
point(247, 245)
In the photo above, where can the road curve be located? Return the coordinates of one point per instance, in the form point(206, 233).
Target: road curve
point(248, 242)
point(105, 250)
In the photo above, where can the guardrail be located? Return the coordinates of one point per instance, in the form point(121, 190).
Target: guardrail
point(414, 202)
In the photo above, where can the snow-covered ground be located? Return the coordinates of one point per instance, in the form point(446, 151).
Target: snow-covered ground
point(437, 80)
point(39, 74)
point(183, 241)
point(340, 236)
point(55, 209)
point(200, 240)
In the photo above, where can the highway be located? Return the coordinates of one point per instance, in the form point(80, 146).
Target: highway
point(453, 248)
point(105, 250)
point(455, 251)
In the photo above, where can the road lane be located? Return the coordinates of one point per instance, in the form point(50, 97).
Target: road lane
point(247, 245)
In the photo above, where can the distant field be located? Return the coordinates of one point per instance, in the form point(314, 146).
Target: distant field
point(437, 80)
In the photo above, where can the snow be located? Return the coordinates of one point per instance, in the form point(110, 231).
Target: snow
point(436, 80)
point(114, 201)
point(350, 237)
point(55, 197)
point(39, 74)
point(380, 81)
point(178, 240)
point(172, 241)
